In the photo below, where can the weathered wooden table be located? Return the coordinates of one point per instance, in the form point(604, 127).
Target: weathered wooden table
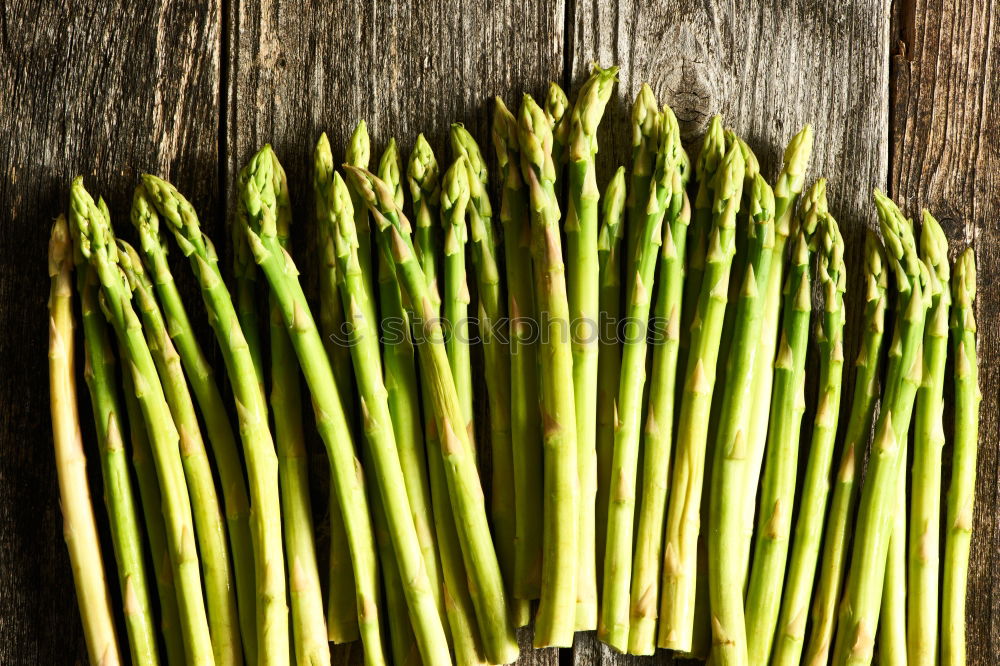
point(902, 96)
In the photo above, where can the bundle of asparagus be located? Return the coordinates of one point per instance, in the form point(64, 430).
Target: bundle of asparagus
point(636, 409)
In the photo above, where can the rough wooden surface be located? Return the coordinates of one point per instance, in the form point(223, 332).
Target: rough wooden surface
point(107, 91)
point(946, 157)
point(190, 89)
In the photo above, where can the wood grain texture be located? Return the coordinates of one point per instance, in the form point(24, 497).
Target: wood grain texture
point(191, 89)
point(107, 91)
point(768, 67)
point(946, 157)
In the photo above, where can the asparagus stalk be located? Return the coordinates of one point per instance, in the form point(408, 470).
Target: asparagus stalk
point(860, 607)
point(280, 271)
point(666, 196)
point(79, 526)
point(149, 492)
point(341, 612)
point(777, 488)
point(525, 415)
point(559, 113)
point(836, 536)
point(713, 150)
point(309, 632)
point(497, 360)
point(220, 431)
point(210, 536)
point(96, 241)
point(786, 192)
point(119, 498)
point(962, 492)
point(659, 430)
point(258, 447)
point(464, 490)
point(400, 363)
point(609, 359)
point(378, 431)
point(466, 644)
point(341, 609)
point(831, 275)
point(245, 279)
point(892, 622)
point(730, 637)
point(404, 408)
point(928, 440)
point(331, 311)
point(555, 621)
point(455, 310)
point(683, 513)
point(645, 144)
point(583, 293)
point(701, 639)
point(422, 178)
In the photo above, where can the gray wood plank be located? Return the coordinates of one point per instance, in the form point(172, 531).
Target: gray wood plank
point(768, 67)
point(106, 90)
point(946, 157)
point(295, 70)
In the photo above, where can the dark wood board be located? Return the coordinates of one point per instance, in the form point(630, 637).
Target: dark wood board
point(108, 91)
point(946, 158)
point(190, 90)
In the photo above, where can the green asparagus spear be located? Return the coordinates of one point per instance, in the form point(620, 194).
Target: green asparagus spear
point(341, 609)
point(659, 429)
point(96, 242)
point(220, 431)
point(309, 635)
point(149, 491)
point(220, 593)
point(683, 514)
point(464, 490)
point(836, 536)
point(962, 493)
point(645, 143)
point(729, 464)
point(859, 609)
point(422, 178)
point(404, 408)
point(713, 150)
point(555, 621)
point(119, 498)
point(558, 111)
point(492, 317)
point(258, 446)
point(777, 487)
point(280, 272)
point(341, 614)
point(400, 362)
point(609, 360)
point(583, 293)
point(457, 602)
point(892, 618)
point(666, 197)
point(455, 310)
point(831, 275)
point(79, 526)
point(526, 432)
point(245, 284)
point(786, 192)
point(331, 311)
point(928, 440)
point(365, 353)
